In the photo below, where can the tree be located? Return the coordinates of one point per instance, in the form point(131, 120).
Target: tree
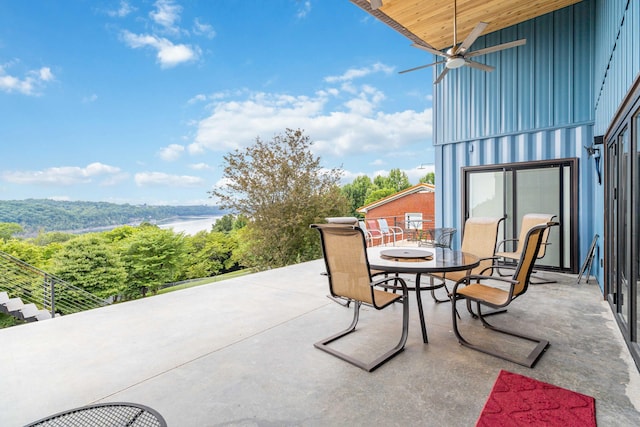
point(356, 192)
point(152, 257)
point(429, 178)
point(8, 229)
point(209, 253)
point(280, 186)
point(398, 180)
point(91, 263)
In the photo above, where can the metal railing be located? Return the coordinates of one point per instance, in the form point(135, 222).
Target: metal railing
point(32, 285)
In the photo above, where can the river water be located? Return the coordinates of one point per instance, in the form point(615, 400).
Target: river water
point(191, 226)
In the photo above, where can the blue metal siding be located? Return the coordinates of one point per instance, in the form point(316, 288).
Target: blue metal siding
point(617, 58)
point(546, 83)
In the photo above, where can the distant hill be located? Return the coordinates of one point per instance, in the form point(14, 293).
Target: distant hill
point(52, 215)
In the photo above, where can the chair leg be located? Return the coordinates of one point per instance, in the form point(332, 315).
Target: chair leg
point(323, 345)
point(433, 292)
point(529, 361)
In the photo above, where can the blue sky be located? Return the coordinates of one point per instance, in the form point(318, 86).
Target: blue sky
point(138, 101)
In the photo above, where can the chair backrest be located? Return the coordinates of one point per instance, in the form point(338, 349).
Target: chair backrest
point(531, 246)
point(384, 226)
point(372, 224)
point(349, 220)
point(480, 238)
point(529, 221)
point(442, 237)
point(345, 257)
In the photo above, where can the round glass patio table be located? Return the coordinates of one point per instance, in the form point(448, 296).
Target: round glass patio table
point(412, 260)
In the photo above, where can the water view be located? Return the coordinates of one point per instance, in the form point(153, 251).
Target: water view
point(191, 225)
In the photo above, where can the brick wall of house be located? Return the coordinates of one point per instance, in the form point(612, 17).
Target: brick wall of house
point(418, 202)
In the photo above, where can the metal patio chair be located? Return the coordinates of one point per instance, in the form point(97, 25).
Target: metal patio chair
point(390, 230)
point(528, 221)
point(345, 256)
point(479, 238)
point(473, 289)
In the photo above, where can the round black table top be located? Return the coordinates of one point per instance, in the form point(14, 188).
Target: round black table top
point(109, 414)
point(441, 261)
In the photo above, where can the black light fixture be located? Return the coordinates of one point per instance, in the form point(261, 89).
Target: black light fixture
point(595, 153)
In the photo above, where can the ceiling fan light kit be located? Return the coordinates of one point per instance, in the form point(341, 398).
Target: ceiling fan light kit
point(458, 55)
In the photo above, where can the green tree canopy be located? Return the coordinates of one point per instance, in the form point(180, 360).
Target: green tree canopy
point(90, 263)
point(281, 187)
point(152, 257)
point(356, 193)
point(9, 229)
point(429, 178)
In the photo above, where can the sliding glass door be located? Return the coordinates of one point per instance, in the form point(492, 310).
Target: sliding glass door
point(515, 189)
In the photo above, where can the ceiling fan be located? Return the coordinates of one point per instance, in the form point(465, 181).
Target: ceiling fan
point(458, 55)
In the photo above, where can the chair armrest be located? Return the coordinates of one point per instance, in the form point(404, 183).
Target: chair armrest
point(381, 283)
point(502, 242)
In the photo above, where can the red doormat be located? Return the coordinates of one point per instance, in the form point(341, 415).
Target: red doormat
point(516, 400)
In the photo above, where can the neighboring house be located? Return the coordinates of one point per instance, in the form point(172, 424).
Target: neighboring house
point(408, 209)
point(554, 128)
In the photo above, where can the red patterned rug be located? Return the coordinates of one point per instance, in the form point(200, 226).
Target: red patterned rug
point(516, 400)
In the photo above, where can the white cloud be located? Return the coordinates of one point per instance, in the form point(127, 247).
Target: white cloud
point(124, 10)
point(304, 9)
point(356, 73)
point(171, 152)
point(31, 84)
point(168, 53)
point(65, 175)
point(200, 166)
point(161, 179)
point(167, 13)
point(357, 126)
point(89, 99)
point(202, 29)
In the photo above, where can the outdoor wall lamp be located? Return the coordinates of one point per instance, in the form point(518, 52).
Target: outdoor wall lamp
point(595, 153)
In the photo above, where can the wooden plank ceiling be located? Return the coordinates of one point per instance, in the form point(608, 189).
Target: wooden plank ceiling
point(431, 21)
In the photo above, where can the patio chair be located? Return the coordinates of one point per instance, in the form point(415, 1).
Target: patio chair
point(390, 230)
point(528, 221)
point(437, 237)
point(373, 237)
point(472, 289)
point(374, 228)
point(479, 238)
point(345, 256)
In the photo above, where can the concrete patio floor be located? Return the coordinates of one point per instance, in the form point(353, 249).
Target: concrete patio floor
point(240, 352)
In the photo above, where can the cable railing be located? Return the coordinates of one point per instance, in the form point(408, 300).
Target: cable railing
point(32, 285)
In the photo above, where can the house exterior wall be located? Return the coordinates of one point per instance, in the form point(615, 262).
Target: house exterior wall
point(423, 202)
point(536, 105)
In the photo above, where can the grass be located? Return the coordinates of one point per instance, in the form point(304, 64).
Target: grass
point(207, 280)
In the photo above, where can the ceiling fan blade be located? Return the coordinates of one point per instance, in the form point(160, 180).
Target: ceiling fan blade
point(421, 67)
point(496, 48)
point(441, 76)
point(430, 50)
point(473, 35)
point(479, 66)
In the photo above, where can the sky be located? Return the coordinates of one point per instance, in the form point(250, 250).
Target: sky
point(137, 101)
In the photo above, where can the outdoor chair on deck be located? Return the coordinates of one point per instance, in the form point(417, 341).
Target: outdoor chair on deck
point(472, 289)
point(374, 237)
point(437, 237)
point(390, 230)
point(345, 256)
point(374, 228)
point(528, 221)
point(479, 238)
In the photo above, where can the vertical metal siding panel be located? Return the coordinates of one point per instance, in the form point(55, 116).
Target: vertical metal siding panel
point(543, 70)
point(583, 59)
point(526, 60)
point(478, 97)
point(493, 93)
point(509, 83)
point(562, 66)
